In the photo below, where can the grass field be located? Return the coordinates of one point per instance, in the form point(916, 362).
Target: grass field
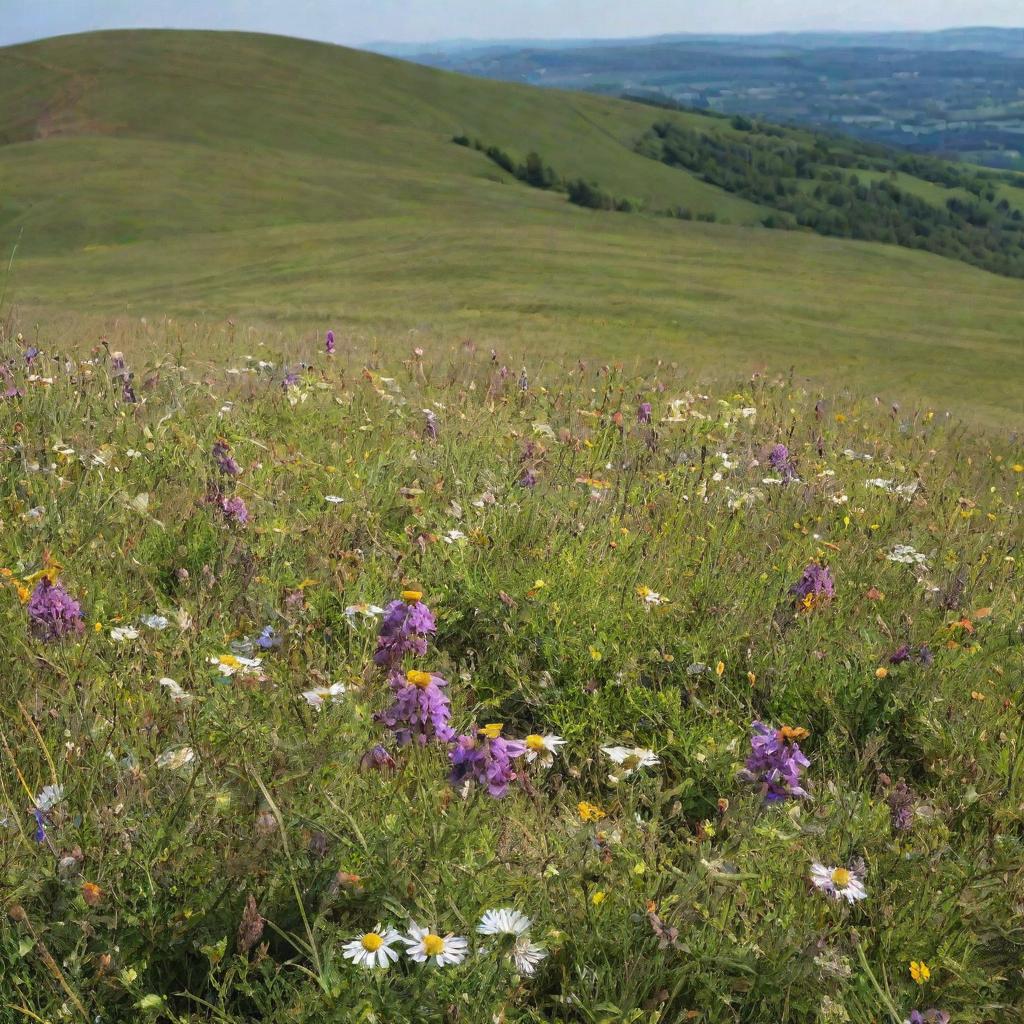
point(189, 836)
point(288, 184)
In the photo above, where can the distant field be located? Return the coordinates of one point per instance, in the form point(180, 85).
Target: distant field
point(308, 186)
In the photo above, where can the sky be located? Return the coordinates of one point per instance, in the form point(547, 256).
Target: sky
point(355, 22)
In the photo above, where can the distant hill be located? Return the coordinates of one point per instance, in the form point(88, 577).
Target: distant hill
point(229, 174)
point(956, 92)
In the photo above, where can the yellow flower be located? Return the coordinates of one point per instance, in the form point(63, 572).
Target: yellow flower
point(417, 678)
point(719, 669)
point(881, 673)
point(595, 654)
point(752, 676)
point(599, 897)
point(589, 812)
point(411, 596)
point(492, 731)
point(23, 594)
point(919, 971)
point(1018, 468)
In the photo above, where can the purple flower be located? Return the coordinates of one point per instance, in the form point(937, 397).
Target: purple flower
point(932, 1016)
point(404, 629)
point(40, 832)
point(221, 453)
point(528, 479)
point(420, 709)
point(235, 510)
point(900, 655)
point(779, 460)
point(376, 758)
point(776, 762)
point(290, 380)
point(815, 587)
point(31, 355)
point(485, 760)
point(54, 613)
point(905, 652)
point(268, 639)
point(644, 412)
point(925, 656)
point(901, 807)
point(330, 343)
point(128, 390)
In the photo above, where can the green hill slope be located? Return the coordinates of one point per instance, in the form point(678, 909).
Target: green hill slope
point(226, 174)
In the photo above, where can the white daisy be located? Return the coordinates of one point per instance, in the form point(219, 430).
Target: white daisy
point(174, 691)
point(121, 634)
point(367, 611)
point(229, 664)
point(321, 695)
point(333, 499)
point(526, 955)
point(49, 797)
point(372, 949)
point(632, 759)
point(649, 596)
point(505, 921)
point(422, 945)
point(907, 555)
point(839, 883)
point(542, 748)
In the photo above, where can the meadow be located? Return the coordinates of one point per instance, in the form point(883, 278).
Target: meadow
point(304, 184)
point(593, 696)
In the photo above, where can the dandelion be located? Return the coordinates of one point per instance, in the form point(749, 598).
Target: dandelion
point(422, 945)
point(838, 883)
point(373, 949)
point(420, 710)
point(589, 812)
point(776, 762)
point(920, 971)
point(321, 695)
point(487, 760)
point(53, 613)
point(542, 748)
point(404, 629)
point(814, 588)
point(630, 760)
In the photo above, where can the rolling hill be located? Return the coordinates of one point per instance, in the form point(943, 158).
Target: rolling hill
point(222, 174)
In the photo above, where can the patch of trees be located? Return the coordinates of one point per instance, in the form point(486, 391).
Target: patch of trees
point(537, 174)
point(823, 186)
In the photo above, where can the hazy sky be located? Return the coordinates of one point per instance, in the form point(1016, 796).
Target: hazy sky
point(360, 21)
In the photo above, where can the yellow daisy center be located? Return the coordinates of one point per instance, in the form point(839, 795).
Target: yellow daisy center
point(412, 596)
point(230, 661)
point(372, 942)
point(433, 945)
point(841, 878)
point(535, 742)
point(420, 679)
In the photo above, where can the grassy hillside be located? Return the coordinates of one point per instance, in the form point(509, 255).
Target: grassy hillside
point(202, 174)
point(187, 837)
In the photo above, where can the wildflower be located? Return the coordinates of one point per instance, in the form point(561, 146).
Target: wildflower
point(268, 639)
point(404, 629)
point(505, 921)
point(815, 587)
point(377, 757)
point(430, 428)
point(651, 597)
point(420, 708)
point(453, 537)
point(599, 897)
point(176, 758)
point(157, 622)
point(486, 761)
point(367, 611)
point(321, 695)
point(229, 664)
point(630, 759)
point(333, 499)
point(906, 555)
point(780, 461)
point(422, 945)
point(54, 614)
point(48, 798)
point(372, 949)
point(838, 883)
point(920, 971)
point(526, 955)
point(932, 1016)
point(901, 807)
point(122, 634)
point(644, 412)
point(330, 343)
point(542, 748)
point(528, 478)
point(775, 762)
point(589, 812)
point(221, 453)
point(524, 381)
point(174, 691)
point(235, 510)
